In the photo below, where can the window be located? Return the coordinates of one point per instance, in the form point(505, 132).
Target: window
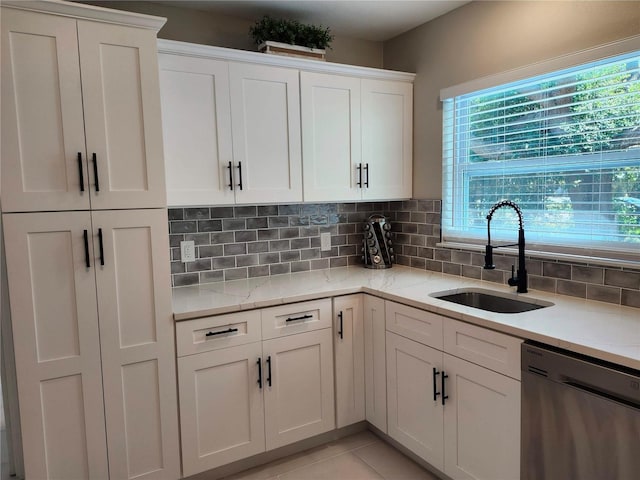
point(565, 146)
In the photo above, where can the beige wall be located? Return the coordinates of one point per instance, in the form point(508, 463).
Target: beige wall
point(197, 26)
point(488, 37)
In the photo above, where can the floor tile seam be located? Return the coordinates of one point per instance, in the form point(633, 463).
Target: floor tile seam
point(307, 465)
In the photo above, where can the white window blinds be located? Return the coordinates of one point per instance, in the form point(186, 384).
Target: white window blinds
point(565, 146)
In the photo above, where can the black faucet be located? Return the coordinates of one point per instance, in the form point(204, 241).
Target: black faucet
point(520, 280)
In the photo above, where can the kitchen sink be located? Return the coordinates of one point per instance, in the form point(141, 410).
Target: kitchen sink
point(490, 301)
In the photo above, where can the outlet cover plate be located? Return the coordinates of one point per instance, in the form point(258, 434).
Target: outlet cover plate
point(187, 251)
point(325, 241)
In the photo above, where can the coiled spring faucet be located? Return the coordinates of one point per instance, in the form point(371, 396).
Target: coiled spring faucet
point(519, 280)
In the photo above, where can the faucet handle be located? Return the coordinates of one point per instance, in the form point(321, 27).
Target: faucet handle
point(513, 281)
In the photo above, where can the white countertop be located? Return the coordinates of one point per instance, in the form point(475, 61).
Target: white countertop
point(602, 330)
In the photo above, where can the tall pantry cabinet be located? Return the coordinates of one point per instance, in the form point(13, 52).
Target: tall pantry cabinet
point(84, 218)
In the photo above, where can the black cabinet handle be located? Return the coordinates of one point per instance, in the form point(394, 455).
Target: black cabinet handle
point(366, 168)
point(95, 171)
point(259, 372)
point(359, 182)
point(80, 171)
point(435, 393)
point(230, 167)
point(86, 249)
point(340, 330)
point(269, 370)
point(295, 319)
point(444, 395)
point(101, 247)
point(220, 332)
point(240, 175)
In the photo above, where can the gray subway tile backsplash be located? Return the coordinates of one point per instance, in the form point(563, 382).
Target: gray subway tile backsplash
point(252, 241)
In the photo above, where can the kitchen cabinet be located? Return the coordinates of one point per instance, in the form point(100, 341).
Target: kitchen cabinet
point(91, 314)
point(276, 366)
point(232, 131)
point(375, 362)
point(387, 139)
point(356, 137)
point(80, 114)
point(87, 260)
point(459, 412)
point(239, 127)
point(349, 341)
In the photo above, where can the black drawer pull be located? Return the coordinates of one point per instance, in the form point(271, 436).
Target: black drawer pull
point(80, 171)
point(366, 168)
point(101, 247)
point(240, 175)
point(221, 332)
point(230, 167)
point(340, 330)
point(95, 172)
point(444, 395)
point(259, 372)
point(359, 182)
point(435, 393)
point(269, 370)
point(295, 319)
point(86, 249)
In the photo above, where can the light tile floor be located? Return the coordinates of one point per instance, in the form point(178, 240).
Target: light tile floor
point(361, 456)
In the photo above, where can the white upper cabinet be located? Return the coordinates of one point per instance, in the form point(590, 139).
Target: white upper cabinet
point(80, 118)
point(196, 120)
point(331, 150)
point(243, 127)
point(123, 125)
point(387, 136)
point(265, 106)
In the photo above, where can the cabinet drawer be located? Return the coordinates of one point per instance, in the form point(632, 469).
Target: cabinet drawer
point(296, 318)
point(493, 350)
point(221, 331)
point(418, 325)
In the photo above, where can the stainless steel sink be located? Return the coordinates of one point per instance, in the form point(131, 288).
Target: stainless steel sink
point(490, 301)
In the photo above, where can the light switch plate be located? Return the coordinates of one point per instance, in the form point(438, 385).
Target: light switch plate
point(325, 241)
point(187, 251)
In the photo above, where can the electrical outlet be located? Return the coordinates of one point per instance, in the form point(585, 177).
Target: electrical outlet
point(325, 241)
point(187, 251)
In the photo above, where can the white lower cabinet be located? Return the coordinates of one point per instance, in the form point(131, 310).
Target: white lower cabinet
point(240, 396)
point(348, 341)
point(414, 411)
point(95, 361)
point(462, 418)
point(375, 362)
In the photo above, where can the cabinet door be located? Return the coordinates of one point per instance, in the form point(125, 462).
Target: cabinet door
point(375, 362)
point(42, 123)
point(330, 111)
point(221, 410)
point(123, 125)
point(137, 340)
point(265, 114)
point(196, 124)
point(55, 330)
point(415, 413)
point(387, 136)
point(348, 340)
point(481, 422)
point(298, 396)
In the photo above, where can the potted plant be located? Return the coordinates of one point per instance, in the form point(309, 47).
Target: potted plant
point(290, 37)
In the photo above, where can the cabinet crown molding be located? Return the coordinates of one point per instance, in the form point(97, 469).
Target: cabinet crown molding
point(221, 53)
point(88, 12)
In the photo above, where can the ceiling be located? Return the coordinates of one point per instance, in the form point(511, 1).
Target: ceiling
point(374, 20)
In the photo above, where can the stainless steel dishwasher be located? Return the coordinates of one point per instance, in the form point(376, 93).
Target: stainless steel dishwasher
point(580, 417)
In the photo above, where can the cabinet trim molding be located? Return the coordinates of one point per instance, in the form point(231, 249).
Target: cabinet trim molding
point(88, 12)
point(220, 53)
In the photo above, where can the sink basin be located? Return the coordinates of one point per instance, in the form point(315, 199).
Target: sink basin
point(490, 301)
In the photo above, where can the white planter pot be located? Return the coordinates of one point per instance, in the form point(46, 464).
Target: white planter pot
point(277, 48)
